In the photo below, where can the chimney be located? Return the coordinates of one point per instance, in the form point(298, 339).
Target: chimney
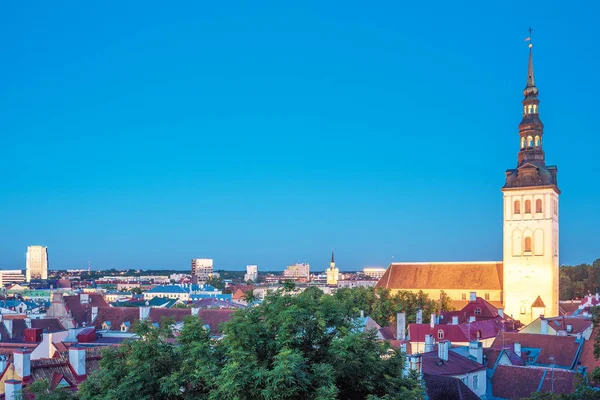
point(472, 318)
point(569, 328)
point(28, 322)
point(195, 310)
point(145, 312)
point(472, 296)
point(94, 313)
point(12, 389)
point(597, 296)
point(22, 363)
point(403, 347)
point(443, 346)
point(401, 326)
point(501, 313)
point(544, 327)
point(432, 322)
point(3, 363)
point(8, 324)
point(455, 320)
point(415, 363)
point(428, 343)
point(419, 316)
point(72, 336)
point(47, 343)
point(476, 351)
point(77, 359)
point(362, 314)
point(517, 348)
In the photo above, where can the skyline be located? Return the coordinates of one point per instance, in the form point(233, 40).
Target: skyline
point(271, 135)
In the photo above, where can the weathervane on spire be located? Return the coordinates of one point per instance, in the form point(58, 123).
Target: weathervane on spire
point(529, 38)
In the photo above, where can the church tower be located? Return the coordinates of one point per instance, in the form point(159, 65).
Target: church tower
point(333, 273)
point(530, 272)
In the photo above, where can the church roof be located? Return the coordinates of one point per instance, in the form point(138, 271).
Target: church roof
point(443, 275)
point(538, 303)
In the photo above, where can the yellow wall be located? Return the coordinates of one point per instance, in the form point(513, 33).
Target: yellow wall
point(529, 274)
point(434, 294)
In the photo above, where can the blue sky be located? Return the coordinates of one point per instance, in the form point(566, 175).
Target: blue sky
point(144, 134)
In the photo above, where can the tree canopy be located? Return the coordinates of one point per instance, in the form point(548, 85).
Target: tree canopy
point(579, 280)
point(290, 347)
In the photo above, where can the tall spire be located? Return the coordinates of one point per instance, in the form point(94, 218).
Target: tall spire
point(332, 258)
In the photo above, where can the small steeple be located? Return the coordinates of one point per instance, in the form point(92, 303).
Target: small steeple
point(332, 258)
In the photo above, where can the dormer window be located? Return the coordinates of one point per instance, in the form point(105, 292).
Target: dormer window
point(478, 311)
point(440, 334)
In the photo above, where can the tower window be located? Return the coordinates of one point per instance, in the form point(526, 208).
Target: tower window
point(517, 208)
point(522, 142)
point(528, 244)
point(537, 141)
point(529, 109)
point(535, 107)
point(529, 141)
point(538, 206)
point(440, 334)
point(527, 206)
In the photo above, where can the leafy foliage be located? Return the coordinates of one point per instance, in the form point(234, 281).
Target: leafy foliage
point(579, 280)
point(290, 347)
point(41, 390)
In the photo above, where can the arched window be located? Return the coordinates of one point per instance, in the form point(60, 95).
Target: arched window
point(537, 141)
point(528, 244)
point(524, 109)
point(522, 142)
point(440, 334)
point(535, 108)
point(529, 141)
point(529, 109)
point(538, 206)
point(517, 207)
point(527, 206)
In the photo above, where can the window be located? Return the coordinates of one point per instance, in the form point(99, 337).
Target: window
point(522, 142)
point(528, 244)
point(440, 334)
point(475, 382)
point(529, 109)
point(529, 141)
point(538, 206)
point(522, 310)
point(478, 311)
point(537, 141)
point(464, 296)
point(487, 296)
point(527, 206)
point(517, 207)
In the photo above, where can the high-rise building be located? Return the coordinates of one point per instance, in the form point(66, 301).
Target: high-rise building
point(333, 273)
point(36, 264)
point(251, 273)
point(202, 269)
point(374, 272)
point(297, 272)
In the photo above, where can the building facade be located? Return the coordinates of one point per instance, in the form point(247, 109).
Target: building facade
point(298, 272)
point(36, 264)
point(202, 269)
point(525, 283)
point(251, 273)
point(333, 273)
point(531, 220)
point(374, 272)
point(11, 276)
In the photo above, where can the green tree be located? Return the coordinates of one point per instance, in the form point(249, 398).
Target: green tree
point(136, 290)
point(40, 390)
point(217, 282)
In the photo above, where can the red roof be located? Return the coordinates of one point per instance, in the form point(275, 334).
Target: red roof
point(214, 318)
point(512, 382)
point(456, 333)
point(578, 324)
point(446, 388)
point(455, 365)
point(83, 312)
point(587, 358)
point(564, 349)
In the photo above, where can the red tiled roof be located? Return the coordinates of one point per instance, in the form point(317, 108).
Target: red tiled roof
point(538, 303)
point(49, 324)
point(564, 349)
point(465, 276)
point(455, 365)
point(116, 316)
point(83, 312)
point(178, 314)
point(456, 333)
point(214, 318)
point(578, 324)
point(447, 388)
point(511, 382)
point(568, 308)
point(492, 355)
point(587, 358)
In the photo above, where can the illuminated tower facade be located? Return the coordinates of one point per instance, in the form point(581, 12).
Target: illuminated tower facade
point(530, 272)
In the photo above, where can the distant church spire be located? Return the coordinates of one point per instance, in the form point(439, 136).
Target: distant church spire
point(332, 258)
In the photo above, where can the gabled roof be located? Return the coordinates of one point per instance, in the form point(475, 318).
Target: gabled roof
point(447, 388)
point(587, 358)
point(83, 312)
point(469, 276)
point(456, 333)
point(512, 382)
point(455, 365)
point(578, 324)
point(538, 303)
point(564, 349)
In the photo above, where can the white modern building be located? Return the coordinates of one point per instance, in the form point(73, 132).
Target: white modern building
point(374, 272)
point(202, 269)
point(11, 276)
point(36, 264)
point(251, 273)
